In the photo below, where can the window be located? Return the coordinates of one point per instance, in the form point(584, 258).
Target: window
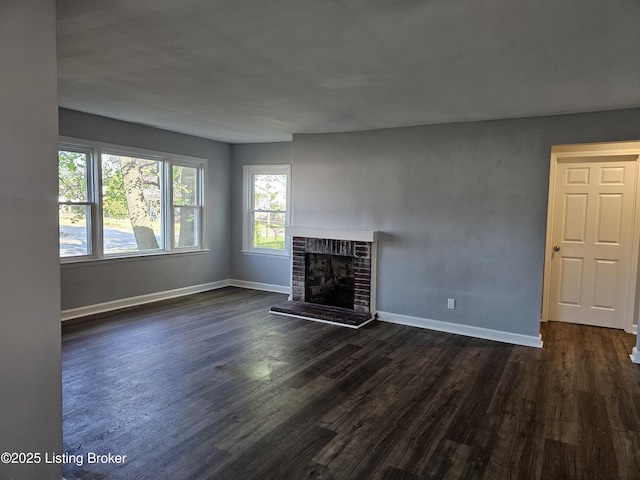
point(187, 211)
point(266, 194)
point(118, 201)
point(131, 204)
point(76, 205)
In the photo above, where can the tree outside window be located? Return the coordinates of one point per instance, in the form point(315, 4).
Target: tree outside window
point(131, 202)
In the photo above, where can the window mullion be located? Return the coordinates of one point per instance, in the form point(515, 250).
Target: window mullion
point(166, 195)
point(98, 225)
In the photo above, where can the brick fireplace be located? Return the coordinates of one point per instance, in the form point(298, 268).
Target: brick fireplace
point(332, 276)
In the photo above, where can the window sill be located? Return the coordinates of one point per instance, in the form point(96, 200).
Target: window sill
point(85, 261)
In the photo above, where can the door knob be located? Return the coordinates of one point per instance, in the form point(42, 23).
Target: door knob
point(556, 248)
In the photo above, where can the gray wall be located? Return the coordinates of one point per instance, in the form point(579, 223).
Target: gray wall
point(30, 377)
point(251, 267)
point(106, 280)
point(462, 208)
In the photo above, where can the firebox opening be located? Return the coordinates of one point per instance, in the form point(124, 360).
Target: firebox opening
point(330, 280)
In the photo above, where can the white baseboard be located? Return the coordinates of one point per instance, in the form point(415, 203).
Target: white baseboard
point(140, 300)
point(466, 330)
point(266, 287)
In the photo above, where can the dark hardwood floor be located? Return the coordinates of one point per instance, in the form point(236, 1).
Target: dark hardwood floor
point(212, 386)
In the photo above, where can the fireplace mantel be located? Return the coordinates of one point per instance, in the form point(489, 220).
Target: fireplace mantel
point(333, 234)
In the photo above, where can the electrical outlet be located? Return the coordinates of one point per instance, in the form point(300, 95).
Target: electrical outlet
point(451, 303)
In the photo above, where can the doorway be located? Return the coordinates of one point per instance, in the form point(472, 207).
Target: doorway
point(591, 254)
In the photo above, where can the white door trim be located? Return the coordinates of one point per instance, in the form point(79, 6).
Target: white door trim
point(564, 152)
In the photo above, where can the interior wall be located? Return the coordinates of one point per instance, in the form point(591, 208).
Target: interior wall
point(461, 208)
point(30, 374)
point(249, 267)
point(90, 283)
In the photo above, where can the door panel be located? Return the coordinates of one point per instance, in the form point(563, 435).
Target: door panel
point(578, 176)
point(575, 217)
point(592, 229)
point(571, 281)
point(609, 220)
point(606, 276)
point(612, 175)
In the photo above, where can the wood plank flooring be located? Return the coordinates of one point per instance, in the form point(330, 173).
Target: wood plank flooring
point(212, 386)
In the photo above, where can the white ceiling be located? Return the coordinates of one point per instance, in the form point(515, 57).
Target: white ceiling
point(253, 71)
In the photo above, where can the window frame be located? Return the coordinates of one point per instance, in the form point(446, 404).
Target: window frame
point(167, 162)
point(249, 171)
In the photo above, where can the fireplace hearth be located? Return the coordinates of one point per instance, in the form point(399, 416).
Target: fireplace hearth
point(333, 276)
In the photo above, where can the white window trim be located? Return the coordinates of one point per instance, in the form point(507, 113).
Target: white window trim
point(247, 202)
point(168, 161)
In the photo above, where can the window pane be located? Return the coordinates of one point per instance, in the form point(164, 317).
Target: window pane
point(131, 198)
point(186, 226)
point(74, 231)
point(270, 192)
point(185, 182)
point(268, 230)
point(72, 176)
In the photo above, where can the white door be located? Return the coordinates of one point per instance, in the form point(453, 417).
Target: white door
point(591, 240)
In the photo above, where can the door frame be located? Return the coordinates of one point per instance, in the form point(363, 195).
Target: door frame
point(613, 149)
